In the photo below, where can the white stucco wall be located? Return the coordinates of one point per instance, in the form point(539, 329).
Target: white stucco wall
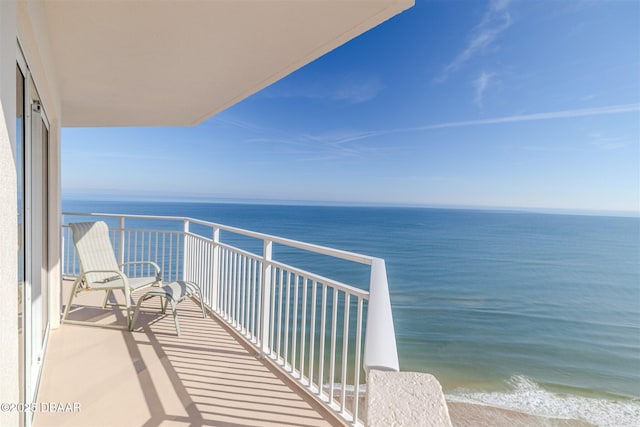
point(8, 211)
point(405, 399)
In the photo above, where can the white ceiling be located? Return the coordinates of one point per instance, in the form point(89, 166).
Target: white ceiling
point(168, 63)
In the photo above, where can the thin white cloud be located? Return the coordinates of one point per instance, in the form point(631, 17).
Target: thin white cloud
point(588, 97)
point(481, 84)
point(606, 142)
point(353, 89)
point(494, 22)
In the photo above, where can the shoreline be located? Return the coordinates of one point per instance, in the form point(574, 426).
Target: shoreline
point(465, 414)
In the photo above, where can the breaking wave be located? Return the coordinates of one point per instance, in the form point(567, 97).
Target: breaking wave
point(527, 396)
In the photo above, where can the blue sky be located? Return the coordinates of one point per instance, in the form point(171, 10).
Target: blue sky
point(526, 104)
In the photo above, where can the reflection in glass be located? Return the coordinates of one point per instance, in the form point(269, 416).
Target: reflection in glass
point(19, 153)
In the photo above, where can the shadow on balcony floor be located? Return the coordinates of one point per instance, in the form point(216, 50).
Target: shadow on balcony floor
point(151, 377)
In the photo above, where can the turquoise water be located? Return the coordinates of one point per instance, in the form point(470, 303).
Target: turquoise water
point(534, 312)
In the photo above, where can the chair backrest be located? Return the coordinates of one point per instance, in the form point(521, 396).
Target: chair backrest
point(94, 249)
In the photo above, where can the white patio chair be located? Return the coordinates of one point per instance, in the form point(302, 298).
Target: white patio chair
point(100, 270)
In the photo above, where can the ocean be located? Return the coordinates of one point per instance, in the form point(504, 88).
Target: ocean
point(538, 313)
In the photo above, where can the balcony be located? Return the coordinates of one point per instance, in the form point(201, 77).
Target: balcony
point(207, 376)
point(284, 344)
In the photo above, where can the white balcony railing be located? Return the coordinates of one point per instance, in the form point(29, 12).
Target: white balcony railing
point(310, 325)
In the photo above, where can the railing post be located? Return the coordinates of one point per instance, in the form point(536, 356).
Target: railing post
point(215, 270)
point(380, 350)
point(63, 241)
point(265, 312)
point(121, 240)
point(184, 250)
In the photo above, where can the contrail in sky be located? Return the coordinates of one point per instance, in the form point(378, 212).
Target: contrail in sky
point(600, 111)
point(550, 115)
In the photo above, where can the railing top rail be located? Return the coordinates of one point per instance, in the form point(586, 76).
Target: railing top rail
point(324, 250)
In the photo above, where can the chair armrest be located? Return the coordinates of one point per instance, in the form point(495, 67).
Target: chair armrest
point(116, 275)
point(155, 266)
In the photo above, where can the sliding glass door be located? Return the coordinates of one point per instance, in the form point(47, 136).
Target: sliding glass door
point(39, 242)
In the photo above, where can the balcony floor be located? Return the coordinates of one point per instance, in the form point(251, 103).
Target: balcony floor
point(151, 377)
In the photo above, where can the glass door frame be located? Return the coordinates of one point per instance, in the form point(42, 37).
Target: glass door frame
point(35, 332)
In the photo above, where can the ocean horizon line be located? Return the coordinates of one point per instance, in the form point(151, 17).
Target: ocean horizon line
point(337, 203)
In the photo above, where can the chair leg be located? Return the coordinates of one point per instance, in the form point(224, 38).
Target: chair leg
point(106, 298)
point(135, 314)
point(127, 302)
point(175, 315)
point(73, 292)
point(201, 302)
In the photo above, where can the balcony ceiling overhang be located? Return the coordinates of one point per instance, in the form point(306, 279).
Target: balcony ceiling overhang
point(174, 63)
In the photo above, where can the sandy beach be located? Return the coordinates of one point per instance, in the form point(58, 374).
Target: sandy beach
point(474, 415)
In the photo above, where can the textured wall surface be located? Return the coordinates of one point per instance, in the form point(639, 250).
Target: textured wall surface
point(405, 399)
point(8, 211)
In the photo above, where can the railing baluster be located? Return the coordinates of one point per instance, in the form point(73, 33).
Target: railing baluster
point(238, 315)
point(225, 282)
point(303, 327)
point(121, 224)
point(286, 317)
point(294, 330)
point(189, 246)
point(345, 347)
point(332, 354)
point(185, 232)
point(227, 290)
point(356, 367)
point(196, 268)
point(246, 283)
point(323, 318)
point(178, 263)
point(249, 295)
point(252, 293)
point(240, 297)
point(207, 259)
point(267, 254)
point(272, 307)
point(241, 294)
point(215, 270)
point(259, 304)
point(171, 278)
point(135, 252)
point(148, 256)
point(127, 258)
point(234, 288)
point(312, 332)
point(280, 311)
point(231, 286)
point(155, 255)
